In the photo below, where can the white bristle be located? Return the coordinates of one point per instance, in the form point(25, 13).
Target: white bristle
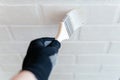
point(68, 25)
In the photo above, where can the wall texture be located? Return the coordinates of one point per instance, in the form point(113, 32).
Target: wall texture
point(92, 53)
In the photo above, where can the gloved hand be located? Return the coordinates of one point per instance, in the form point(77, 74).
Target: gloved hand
point(41, 56)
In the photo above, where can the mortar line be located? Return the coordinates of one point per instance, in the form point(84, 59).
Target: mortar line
point(10, 34)
point(108, 47)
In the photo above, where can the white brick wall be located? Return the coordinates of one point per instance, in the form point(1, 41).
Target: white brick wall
point(100, 33)
point(19, 15)
point(91, 54)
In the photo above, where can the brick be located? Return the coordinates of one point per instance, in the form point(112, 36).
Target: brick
point(63, 76)
point(101, 33)
point(7, 75)
point(101, 14)
point(13, 47)
point(19, 15)
point(79, 47)
point(82, 2)
point(87, 68)
point(98, 59)
point(14, 2)
point(66, 59)
point(114, 48)
point(10, 59)
point(74, 68)
point(64, 68)
point(96, 76)
point(31, 32)
point(111, 69)
point(4, 76)
point(11, 67)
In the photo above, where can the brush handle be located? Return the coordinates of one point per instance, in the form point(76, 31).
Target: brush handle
point(59, 32)
point(62, 33)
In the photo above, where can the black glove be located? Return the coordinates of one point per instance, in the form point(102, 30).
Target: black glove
point(39, 59)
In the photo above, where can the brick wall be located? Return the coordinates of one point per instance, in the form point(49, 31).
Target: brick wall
point(92, 53)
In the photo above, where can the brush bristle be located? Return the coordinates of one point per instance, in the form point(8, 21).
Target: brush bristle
point(68, 25)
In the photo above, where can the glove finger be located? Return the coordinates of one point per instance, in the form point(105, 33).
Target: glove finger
point(41, 42)
point(48, 51)
point(47, 40)
point(55, 44)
